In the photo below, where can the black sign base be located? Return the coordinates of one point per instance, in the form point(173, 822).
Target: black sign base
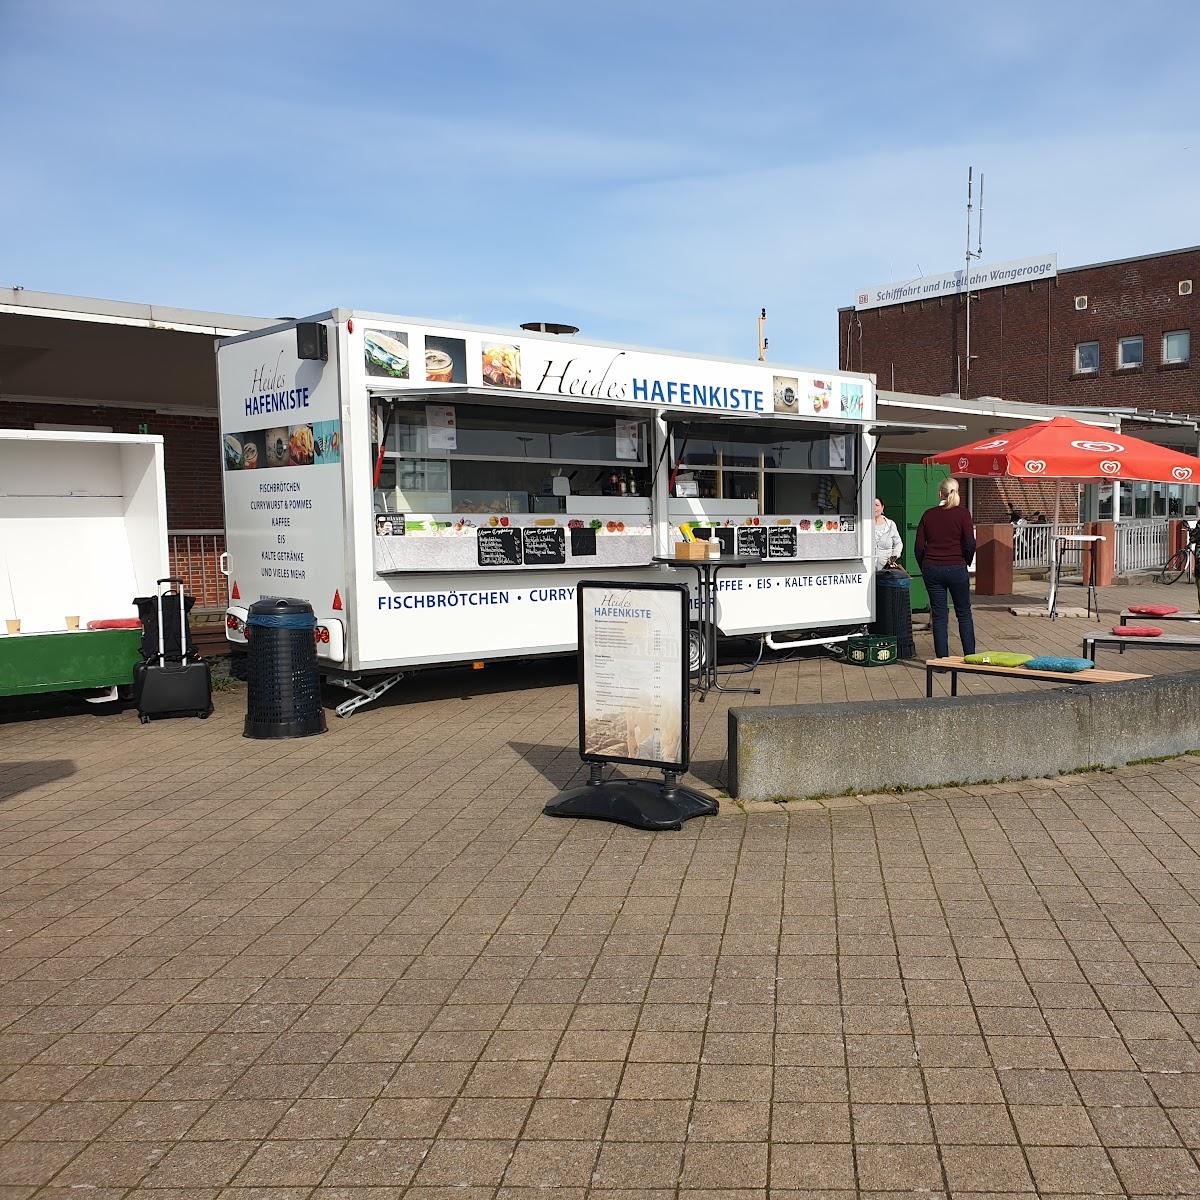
point(642, 803)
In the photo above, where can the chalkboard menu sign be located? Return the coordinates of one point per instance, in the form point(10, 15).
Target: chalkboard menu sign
point(725, 537)
point(583, 543)
point(752, 541)
point(499, 547)
point(544, 545)
point(781, 541)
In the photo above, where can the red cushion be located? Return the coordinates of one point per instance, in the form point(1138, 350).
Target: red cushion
point(1137, 630)
point(1153, 610)
point(116, 623)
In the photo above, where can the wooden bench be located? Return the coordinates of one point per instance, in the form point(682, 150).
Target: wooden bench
point(955, 664)
point(1165, 641)
point(1154, 618)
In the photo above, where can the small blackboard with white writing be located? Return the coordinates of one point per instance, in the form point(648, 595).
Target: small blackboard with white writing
point(544, 546)
point(499, 547)
point(752, 541)
point(781, 541)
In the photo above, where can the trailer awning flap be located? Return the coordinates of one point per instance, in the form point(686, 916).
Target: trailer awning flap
point(880, 428)
point(379, 389)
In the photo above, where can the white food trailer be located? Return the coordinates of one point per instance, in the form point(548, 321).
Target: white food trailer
point(436, 492)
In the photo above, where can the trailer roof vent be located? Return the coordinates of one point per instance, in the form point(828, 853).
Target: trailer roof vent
point(548, 327)
point(1081, 304)
point(1185, 287)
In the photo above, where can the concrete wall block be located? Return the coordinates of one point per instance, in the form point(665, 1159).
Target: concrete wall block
point(801, 751)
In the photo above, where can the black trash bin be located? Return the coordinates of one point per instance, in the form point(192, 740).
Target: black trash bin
point(893, 611)
point(284, 688)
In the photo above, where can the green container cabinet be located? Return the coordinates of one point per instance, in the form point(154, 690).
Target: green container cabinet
point(68, 662)
point(907, 490)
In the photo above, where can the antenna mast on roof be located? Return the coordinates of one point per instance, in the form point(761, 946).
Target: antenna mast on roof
point(976, 253)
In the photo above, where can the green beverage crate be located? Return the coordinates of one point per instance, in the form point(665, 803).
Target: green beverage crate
point(872, 651)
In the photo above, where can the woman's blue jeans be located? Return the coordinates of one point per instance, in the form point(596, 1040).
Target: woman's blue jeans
point(957, 581)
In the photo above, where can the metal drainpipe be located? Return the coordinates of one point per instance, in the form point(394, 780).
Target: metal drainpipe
point(1049, 324)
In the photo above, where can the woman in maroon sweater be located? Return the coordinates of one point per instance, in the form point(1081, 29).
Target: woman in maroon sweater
point(945, 545)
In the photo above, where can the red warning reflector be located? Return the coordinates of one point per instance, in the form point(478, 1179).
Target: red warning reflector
point(337, 601)
point(235, 594)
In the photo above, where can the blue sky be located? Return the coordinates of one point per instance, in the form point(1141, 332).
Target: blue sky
point(652, 173)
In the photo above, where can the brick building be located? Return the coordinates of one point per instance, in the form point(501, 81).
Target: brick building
point(1110, 337)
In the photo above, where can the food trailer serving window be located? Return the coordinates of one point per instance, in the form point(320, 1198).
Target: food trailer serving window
point(500, 459)
point(783, 469)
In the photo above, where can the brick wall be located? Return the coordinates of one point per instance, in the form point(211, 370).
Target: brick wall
point(1025, 337)
point(191, 452)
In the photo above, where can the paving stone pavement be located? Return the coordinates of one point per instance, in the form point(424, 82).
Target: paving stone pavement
point(363, 965)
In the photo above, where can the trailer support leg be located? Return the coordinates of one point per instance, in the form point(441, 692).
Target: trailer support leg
point(363, 695)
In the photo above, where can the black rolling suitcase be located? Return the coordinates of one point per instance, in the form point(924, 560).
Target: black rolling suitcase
point(180, 687)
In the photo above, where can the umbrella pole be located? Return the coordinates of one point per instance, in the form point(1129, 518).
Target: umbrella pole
point(1054, 555)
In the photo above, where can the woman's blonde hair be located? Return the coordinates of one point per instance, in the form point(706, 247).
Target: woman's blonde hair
point(949, 493)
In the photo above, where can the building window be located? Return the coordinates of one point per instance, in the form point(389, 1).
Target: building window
point(1087, 358)
point(1177, 346)
point(1129, 352)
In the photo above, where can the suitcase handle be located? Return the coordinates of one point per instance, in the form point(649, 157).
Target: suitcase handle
point(162, 645)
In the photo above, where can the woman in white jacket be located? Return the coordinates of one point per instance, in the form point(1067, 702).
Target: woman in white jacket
point(888, 544)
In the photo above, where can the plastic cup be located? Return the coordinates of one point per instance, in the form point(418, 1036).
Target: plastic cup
point(13, 624)
point(72, 622)
point(439, 366)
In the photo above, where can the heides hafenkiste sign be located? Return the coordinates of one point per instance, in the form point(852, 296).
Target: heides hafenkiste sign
point(633, 693)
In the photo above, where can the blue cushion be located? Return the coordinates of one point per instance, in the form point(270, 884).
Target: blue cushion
point(1051, 662)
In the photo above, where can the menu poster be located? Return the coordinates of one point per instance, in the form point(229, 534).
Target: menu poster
point(633, 691)
point(440, 428)
point(837, 452)
point(781, 541)
point(627, 440)
point(499, 547)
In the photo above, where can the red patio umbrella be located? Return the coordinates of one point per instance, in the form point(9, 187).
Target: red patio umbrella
point(1064, 448)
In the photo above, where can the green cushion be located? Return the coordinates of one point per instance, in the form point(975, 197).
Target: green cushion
point(999, 658)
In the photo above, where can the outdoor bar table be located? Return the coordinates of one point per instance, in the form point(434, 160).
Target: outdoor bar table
point(1062, 542)
point(706, 573)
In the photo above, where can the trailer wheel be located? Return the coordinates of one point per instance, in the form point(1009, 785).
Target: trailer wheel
point(696, 655)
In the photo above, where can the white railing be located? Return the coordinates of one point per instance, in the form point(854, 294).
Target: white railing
point(195, 556)
point(1141, 545)
point(1033, 545)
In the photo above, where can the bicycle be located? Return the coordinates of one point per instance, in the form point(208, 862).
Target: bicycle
point(1183, 561)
